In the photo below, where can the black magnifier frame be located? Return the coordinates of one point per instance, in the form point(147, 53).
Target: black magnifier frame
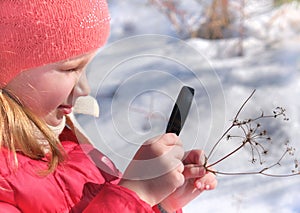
point(180, 110)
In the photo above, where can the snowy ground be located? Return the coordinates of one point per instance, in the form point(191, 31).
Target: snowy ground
point(136, 80)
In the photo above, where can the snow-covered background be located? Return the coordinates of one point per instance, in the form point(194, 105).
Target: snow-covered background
point(138, 75)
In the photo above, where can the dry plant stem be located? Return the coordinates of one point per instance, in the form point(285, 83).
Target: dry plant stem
point(252, 136)
point(226, 156)
point(234, 123)
point(261, 172)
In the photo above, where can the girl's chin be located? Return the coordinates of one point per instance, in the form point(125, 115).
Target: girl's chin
point(54, 120)
point(57, 125)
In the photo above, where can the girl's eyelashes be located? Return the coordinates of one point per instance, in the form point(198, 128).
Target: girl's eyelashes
point(73, 66)
point(71, 69)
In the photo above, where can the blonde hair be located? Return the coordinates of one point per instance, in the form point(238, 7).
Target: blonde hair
point(18, 126)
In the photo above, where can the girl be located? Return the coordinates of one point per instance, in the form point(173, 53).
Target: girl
point(46, 163)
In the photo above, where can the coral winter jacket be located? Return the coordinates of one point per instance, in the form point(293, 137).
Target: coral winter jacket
point(77, 185)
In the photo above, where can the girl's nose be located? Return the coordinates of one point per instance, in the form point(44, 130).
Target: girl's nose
point(82, 88)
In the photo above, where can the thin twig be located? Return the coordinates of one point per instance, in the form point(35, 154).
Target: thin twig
point(234, 123)
point(255, 137)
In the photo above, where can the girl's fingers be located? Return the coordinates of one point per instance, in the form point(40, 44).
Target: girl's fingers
point(194, 171)
point(208, 182)
point(195, 157)
point(170, 139)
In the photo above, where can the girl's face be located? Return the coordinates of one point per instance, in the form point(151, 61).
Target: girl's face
point(50, 91)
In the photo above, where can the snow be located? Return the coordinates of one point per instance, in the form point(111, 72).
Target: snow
point(137, 76)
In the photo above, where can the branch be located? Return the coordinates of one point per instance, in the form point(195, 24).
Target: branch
point(254, 136)
point(234, 123)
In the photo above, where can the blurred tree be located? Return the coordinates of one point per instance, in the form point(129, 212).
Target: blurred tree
point(217, 20)
point(171, 9)
point(280, 2)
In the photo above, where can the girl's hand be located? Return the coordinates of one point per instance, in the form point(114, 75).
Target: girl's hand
point(197, 180)
point(156, 170)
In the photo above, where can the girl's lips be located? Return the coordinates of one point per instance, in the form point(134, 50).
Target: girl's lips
point(66, 109)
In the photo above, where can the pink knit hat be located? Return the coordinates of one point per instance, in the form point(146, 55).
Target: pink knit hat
point(38, 32)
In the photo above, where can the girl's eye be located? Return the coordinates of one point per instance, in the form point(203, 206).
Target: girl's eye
point(75, 69)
